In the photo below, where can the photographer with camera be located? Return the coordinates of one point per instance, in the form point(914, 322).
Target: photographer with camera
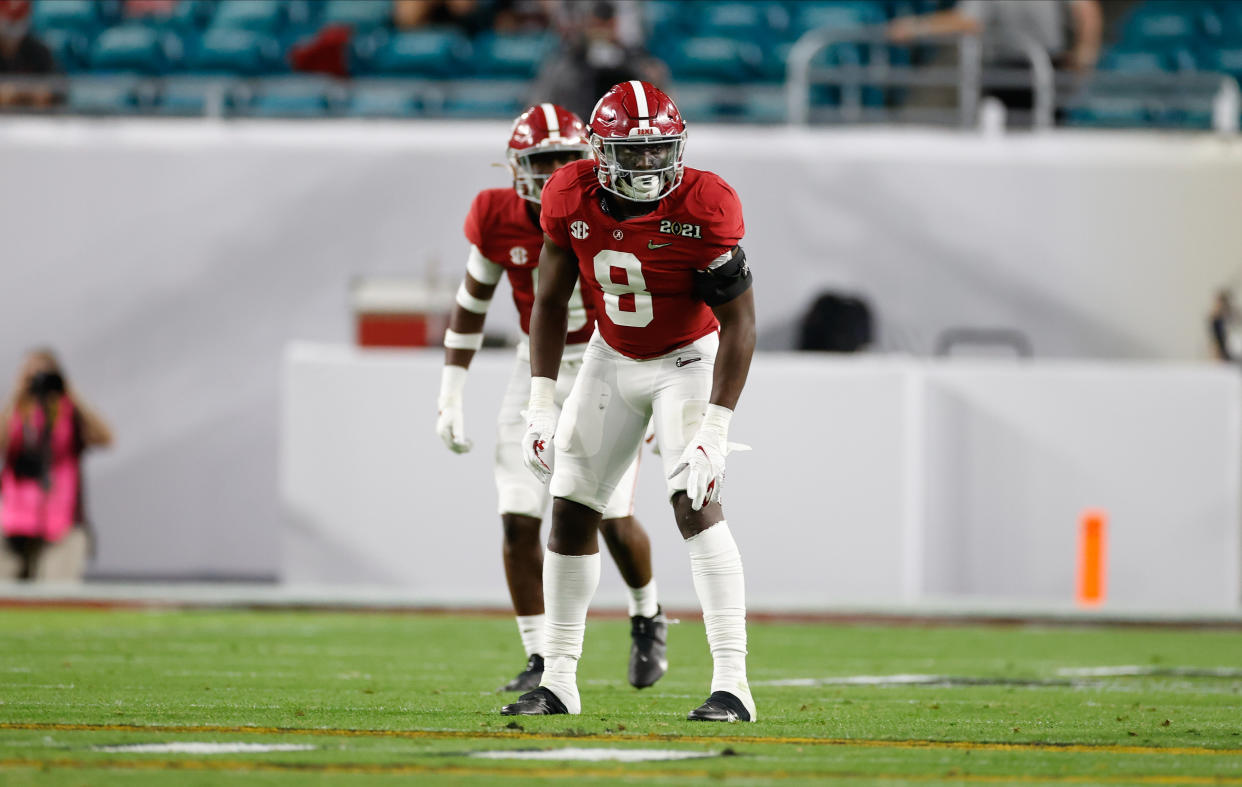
point(44, 428)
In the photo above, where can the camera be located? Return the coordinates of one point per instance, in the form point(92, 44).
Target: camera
point(45, 384)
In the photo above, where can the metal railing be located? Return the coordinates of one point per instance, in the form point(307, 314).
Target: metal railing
point(1050, 89)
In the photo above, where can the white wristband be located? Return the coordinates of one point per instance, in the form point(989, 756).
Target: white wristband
point(542, 393)
point(716, 420)
point(471, 303)
point(462, 341)
point(452, 383)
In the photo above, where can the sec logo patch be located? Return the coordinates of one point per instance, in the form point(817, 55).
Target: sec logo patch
point(579, 230)
point(517, 255)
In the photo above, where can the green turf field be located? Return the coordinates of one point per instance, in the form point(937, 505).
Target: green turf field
point(386, 699)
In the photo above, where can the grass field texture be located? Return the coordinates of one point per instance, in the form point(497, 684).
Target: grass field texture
point(369, 698)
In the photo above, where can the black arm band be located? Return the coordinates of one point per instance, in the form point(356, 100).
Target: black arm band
point(725, 282)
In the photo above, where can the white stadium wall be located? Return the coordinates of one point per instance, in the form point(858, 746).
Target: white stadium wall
point(172, 262)
point(872, 481)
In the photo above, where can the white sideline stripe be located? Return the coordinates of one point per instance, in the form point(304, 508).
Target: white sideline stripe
point(203, 747)
point(640, 96)
point(1127, 670)
point(593, 755)
point(854, 680)
point(549, 115)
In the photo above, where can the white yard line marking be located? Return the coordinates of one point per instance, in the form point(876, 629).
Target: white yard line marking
point(201, 747)
point(1132, 670)
point(593, 755)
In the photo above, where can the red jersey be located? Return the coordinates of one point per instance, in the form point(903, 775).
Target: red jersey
point(639, 273)
point(500, 227)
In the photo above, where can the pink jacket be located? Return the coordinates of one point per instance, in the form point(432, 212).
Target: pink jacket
point(26, 508)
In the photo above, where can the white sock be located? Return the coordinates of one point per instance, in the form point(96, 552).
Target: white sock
point(716, 566)
point(530, 627)
point(643, 600)
point(569, 583)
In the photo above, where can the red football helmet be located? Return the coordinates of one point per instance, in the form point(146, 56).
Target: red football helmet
point(638, 138)
point(544, 137)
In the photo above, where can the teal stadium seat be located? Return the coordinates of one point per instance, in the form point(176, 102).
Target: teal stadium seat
point(261, 16)
point(698, 103)
point(765, 106)
point(714, 59)
point(1110, 112)
point(1135, 61)
point(70, 48)
point(665, 20)
point(184, 16)
point(423, 53)
point(381, 101)
point(511, 56)
point(188, 96)
point(239, 52)
point(101, 98)
point(1226, 60)
point(1230, 14)
point(293, 99)
point(809, 16)
point(136, 49)
point(358, 14)
point(82, 16)
point(759, 22)
point(485, 100)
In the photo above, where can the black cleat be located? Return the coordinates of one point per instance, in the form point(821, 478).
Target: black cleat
point(528, 678)
point(648, 661)
point(540, 702)
point(721, 706)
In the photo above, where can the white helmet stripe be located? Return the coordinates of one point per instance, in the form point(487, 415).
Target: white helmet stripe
point(549, 115)
point(640, 97)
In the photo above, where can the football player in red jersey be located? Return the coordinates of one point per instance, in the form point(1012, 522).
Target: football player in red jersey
point(656, 247)
point(503, 230)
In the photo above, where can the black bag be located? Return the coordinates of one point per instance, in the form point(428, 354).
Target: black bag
point(836, 323)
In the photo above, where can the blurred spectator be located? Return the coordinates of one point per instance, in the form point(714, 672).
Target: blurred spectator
point(44, 428)
point(327, 52)
point(21, 54)
point(595, 55)
point(1004, 26)
point(1222, 321)
point(137, 9)
point(469, 16)
point(521, 16)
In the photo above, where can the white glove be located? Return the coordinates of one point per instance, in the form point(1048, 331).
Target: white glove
point(451, 421)
point(704, 457)
point(540, 427)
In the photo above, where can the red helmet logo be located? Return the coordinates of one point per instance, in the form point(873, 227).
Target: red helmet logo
point(543, 129)
point(638, 138)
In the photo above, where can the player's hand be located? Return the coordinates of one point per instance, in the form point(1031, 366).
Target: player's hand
point(451, 420)
point(704, 458)
point(451, 426)
point(537, 449)
point(540, 414)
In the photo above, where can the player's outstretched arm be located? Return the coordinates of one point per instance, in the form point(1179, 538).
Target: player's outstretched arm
point(737, 346)
point(727, 289)
point(549, 319)
point(462, 339)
